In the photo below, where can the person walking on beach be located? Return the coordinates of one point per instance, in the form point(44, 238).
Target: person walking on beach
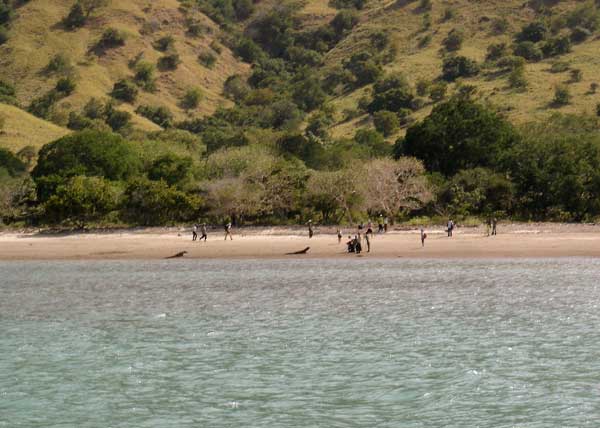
point(339, 235)
point(423, 237)
point(450, 227)
point(380, 224)
point(228, 231)
point(368, 241)
point(310, 229)
point(488, 226)
point(194, 232)
point(203, 235)
point(494, 224)
point(385, 225)
point(369, 227)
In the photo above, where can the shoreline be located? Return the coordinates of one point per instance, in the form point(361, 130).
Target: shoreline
point(518, 240)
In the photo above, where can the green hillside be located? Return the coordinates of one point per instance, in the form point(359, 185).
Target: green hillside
point(269, 111)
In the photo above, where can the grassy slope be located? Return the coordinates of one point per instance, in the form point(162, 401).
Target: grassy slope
point(404, 20)
point(37, 36)
point(22, 129)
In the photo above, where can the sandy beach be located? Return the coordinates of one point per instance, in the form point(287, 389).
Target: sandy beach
point(514, 240)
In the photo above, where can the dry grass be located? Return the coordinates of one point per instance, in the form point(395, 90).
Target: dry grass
point(22, 129)
point(37, 36)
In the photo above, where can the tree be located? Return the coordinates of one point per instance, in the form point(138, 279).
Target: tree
point(458, 134)
point(333, 194)
point(395, 187)
point(90, 153)
point(170, 168)
point(81, 200)
point(344, 21)
point(159, 115)
point(533, 32)
point(155, 203)
point(386, 122)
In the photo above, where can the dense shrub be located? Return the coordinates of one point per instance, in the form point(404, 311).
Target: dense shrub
point(562, 95)
point(3, 35)
point(66, 86)
point(437, 91)
point(517, 79)
point(386, 122)
point(556, 46)
point(7, 92)
point(528, 50)
point(159, 115)
point(118, 119)
point(207, 59)
point(170, 168)
point(364, 68)
point(496, 51)
point(453, 40)
point(144, 76)
point(344, 4)
point(10, 163)
point(169, 61)
point(191, 99)
point(580, 34)
point(391, 93)
point(458, 66)
point(344, 21)
point(111, 38)
point(164, 43)
point(125, 90)
point(76, 17)
point(533, 32)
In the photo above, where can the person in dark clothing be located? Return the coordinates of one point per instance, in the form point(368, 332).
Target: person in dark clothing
point(228, 231)
point(310, 229)
point(194, 232)
point(203, 235)
point(494, 224)
point(339, 235)
point(450, 227)
point(351, 244)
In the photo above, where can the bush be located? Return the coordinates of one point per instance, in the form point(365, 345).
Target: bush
point(373, 141)
point(7, 92)
point(511, 62)
point(422, 87)
point(191, 98)
point(453, 40)
point(159, 115)
point(562, 96)
point(500, 25)
point(76, 17)
point(580, 34)
point(528, 50)
point(207, 59)
point(66, 86)
point(118, 119)
point(458, 66)
point(10, 163)
point(3, 35)
point(111, 38)
point(344, 21)
point(154, 203)
point(170, 168)
point(125, 90)
point(248, 51)
point(81, 200)
point(364, 68)
point(164, 43)
point(593, 87)
point(169, 61)
point(556, 46)
point(559, 67)
point(449, 13)
point(438, 90)
point(386, 122)
point(496, 51)
point(576, 75)
point(516, 78)
point(144, 76)
point(59, 64)
point(533, 32)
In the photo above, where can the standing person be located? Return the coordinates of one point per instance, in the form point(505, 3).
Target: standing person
point(494, 224)
point(203, 232)
point(423, 237)
point(228, 231)
point(488, 226)
point(380, 224)
point(310, 229)
point(385, 225)
point(194, 232)
point(339, 235)
point(369, 227)
point(450, 227)
point(368, 241)
point(358, 240)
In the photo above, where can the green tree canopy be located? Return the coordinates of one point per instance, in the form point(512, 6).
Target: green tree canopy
point(458, 134)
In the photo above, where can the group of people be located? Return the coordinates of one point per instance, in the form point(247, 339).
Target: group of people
point(204, 232)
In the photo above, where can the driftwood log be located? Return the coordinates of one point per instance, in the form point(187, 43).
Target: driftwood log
point(298, 252)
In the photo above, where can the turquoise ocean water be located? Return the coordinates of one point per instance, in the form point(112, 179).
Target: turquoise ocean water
point(300, 343)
